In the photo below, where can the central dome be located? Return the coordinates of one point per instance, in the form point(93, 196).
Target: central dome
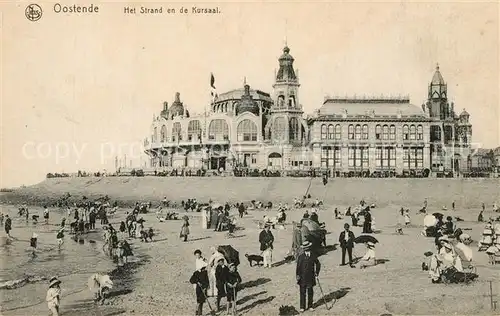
point(177, 107)
point(247, 103)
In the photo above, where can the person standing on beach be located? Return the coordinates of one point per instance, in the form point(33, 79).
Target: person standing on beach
point(346, 240)
point(1, 219)
point(46, 214)
point(200, 280)
point(308, 268)
point(8, 225)
point(407, 217)
point(27, 214)
point(53, 297)
point(60, 236)
point(453, 205)
point(185, 229)
point(266, 240)
point(33, 243)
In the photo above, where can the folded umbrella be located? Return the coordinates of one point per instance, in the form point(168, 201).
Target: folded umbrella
point(364, 239)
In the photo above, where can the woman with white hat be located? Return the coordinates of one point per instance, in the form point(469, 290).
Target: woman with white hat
point(368, 259)
point(53, 297)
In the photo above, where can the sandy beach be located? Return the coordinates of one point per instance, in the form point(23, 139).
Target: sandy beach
point(158, 283)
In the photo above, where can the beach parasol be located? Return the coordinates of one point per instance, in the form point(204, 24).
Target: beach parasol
point(464, 251)
point(364, 239)
point(430, 221)
point(231, 254)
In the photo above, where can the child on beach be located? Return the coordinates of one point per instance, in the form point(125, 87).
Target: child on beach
point(60, 236)
point(46, 214)
point(200, 280)
point(33, 243)
point(233, 279)
point(8, 225)
point(185, 229)
point(221, 272)
point(407, 217)
point(53, 297)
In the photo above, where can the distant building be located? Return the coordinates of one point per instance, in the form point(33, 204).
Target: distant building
point(248, 128)
point(481, 160)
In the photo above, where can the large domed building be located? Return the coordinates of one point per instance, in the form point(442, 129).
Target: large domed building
point(250, 129)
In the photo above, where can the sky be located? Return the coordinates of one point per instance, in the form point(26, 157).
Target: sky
point(78, 90)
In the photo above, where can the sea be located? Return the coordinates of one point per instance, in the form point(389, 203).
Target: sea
point(25, 272)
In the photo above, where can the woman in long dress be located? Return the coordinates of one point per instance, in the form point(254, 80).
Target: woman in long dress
point(212, 264)
point(204, 218)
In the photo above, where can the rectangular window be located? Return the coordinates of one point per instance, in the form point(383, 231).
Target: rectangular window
point(330, 157)
point(385, 157)
point(254, 158)
point(358, 157)
point(413, 158)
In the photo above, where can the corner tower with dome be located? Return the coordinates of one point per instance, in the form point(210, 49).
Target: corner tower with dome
point(248, 129)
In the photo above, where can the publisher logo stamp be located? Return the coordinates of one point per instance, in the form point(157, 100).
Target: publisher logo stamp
point(33, 12)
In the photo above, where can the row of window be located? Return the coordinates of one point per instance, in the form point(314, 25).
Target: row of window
point(385, 157)
point(217, 130)
point(382, 132)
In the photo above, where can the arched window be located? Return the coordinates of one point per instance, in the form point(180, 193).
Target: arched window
point(385, 132)
point(294, 133)
point(155, 134)
point(291, 101)
point(413, 132)
point(176, 132)
point(378, 132)
point(281, 101)
point(331, 132)
point(247, 131)
point(163, 133)
point(351, 131)
point(406, 132)
point(358, 131)
point(324, 134)
point(392, 132)
point(338, 132)
point(279, 128)
point(218, 130)
point(194, 130)
point(365, 131)
point(420, 132)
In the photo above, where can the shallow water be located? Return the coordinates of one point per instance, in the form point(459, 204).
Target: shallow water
point(73, 263)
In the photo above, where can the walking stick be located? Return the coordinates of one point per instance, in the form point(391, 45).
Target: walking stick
point(322, 294)
point(206, 298)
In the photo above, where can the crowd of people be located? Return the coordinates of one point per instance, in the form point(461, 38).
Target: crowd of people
point(219, 278)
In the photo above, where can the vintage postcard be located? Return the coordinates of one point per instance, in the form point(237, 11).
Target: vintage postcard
point(259, 158)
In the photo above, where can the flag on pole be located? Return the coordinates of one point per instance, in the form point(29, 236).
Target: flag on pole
point(214, 90)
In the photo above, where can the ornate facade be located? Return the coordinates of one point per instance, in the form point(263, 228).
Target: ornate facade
point(248, 128)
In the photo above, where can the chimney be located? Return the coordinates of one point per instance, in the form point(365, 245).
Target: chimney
point(165, 106)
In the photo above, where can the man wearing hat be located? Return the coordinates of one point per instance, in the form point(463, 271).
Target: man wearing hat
point(266, 240)
point(308, 268)
point(53, 296)
point(346, 240)
point(314, 216)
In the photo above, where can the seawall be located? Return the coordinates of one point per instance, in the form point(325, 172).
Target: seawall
point(393, 191)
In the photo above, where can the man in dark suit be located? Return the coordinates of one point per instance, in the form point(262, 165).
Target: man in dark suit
point(367, 225)
point(308, 268)
point(266, 240)
point(346, 240)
